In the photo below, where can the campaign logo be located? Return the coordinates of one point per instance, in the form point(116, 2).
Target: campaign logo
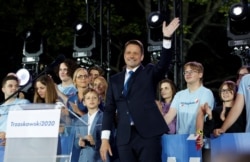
point(196, 101)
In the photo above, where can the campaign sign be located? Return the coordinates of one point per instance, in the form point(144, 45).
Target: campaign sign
point(179, 147)
point(33, 123)
point(230, 146)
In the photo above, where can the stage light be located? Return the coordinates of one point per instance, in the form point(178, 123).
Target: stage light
point(84, 39)
point(32, 49)
point(24, 76)
point(239, 19)
point(236, 11)
point(238, 27)
point(155, 19)
point(33, 44)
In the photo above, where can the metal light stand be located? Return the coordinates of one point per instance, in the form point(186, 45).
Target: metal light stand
point(178, 56)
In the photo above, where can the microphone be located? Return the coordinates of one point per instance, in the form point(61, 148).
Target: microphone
point(57, 61)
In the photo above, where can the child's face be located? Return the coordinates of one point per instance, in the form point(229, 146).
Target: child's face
point(91, 100)
point(226, 94)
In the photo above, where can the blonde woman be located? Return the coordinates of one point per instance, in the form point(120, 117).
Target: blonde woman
point(101, 85)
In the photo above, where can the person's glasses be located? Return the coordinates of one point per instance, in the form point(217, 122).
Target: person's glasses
point(225, 91)
point(82, 77)
point(190, 72)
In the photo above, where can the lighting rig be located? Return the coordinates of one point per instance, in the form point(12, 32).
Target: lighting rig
point(32, 49)
point(238, 30)
point(155, 20)
point(84, 42)
point(84, 39)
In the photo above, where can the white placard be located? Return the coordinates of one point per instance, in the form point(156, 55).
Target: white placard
point(171, 159)
point(33, 123)
point(194, 159)
point(193, 137)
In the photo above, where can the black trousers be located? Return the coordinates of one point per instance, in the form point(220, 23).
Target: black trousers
point(140, 149)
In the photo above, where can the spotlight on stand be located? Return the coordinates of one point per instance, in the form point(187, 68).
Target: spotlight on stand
point(238, 30)
point(84, 39)
point(32, 49)
point(155, 20)
point(33, 44)
point(238, 27)
point(24, 76)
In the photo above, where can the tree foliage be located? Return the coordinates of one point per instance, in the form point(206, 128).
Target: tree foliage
point(203, 26)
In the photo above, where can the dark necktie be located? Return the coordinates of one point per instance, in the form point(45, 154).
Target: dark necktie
point(125, 89)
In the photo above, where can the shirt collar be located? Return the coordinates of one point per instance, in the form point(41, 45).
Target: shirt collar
point(134, 69)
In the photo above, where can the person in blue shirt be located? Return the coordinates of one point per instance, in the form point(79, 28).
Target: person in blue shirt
point(74, 102)
point(88, 137)
point(186, 102)
point(10, 85)
point(75, 105)
point(65, 72)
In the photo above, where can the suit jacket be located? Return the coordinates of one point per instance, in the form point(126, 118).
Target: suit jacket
point(139, 103)
point(90, 153)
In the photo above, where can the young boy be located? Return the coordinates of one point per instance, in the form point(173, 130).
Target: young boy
point(88, 137)
point(10, 85)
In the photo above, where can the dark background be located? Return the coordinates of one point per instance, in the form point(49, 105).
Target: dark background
point(210, 48)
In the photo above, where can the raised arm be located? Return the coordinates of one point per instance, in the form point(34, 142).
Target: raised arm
point(169, 29)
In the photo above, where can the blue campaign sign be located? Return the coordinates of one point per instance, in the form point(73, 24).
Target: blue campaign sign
point(177, 148)
point(1, 153)
point(230, 144)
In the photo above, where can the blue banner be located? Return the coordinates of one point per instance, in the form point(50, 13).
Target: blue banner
point(1, 153)
point(179, 148)
point(230, 146)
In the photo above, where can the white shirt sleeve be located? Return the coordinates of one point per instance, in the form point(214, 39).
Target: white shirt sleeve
point(166, 43)
point(105, 134)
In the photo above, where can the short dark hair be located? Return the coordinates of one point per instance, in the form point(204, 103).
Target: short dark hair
point(98, 68)
point(135, 42)
point(9, 77)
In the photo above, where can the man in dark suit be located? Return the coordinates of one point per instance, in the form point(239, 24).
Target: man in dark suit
point(139, 122)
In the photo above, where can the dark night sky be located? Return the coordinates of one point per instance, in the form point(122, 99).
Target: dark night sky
point(11, 46)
